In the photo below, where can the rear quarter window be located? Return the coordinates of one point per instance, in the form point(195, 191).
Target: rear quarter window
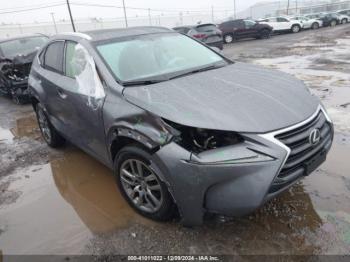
point(54, 57)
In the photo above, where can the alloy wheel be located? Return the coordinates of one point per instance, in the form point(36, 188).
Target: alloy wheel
point(228, 39)
point(44, 125)
point(295, 29)
point(141, 185)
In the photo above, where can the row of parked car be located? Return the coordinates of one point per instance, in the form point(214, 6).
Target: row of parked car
point(16, 54)
point(228, 31)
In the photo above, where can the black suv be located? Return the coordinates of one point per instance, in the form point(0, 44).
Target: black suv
point(237, 29)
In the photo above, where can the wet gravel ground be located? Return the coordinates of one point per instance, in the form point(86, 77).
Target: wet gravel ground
point(65, 202)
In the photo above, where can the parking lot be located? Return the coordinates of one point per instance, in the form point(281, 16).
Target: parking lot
point(65, 202)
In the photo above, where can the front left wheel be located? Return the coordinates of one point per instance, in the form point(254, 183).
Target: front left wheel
point(141, 186)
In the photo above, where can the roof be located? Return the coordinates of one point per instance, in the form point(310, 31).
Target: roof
point(2, 40)
point(105, 34)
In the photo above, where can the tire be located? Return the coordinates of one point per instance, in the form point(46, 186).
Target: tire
point(161, 210)
point(315, 26)
point(333, 23)
point(344, 21)
point(228, 39)
point(264, 34)
point(49, 133)
point(16, 99)
point(295, 28)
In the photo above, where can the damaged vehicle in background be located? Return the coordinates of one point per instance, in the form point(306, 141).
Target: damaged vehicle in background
point(186, 130)
point(16, 57)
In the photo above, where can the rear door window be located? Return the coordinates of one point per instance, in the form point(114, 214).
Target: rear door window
point(53, 59)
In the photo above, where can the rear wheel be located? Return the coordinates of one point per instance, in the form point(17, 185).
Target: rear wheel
point(16, 99)
point(265, 34)
point(141, 186)
point(295, 28)
point(228, 38)
point(344, 21)
point(49, 133)
point(315, 26)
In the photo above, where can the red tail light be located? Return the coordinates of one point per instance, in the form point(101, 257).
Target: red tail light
point(199, 35)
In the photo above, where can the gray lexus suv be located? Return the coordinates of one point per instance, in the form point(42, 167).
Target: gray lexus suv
point(185, 130)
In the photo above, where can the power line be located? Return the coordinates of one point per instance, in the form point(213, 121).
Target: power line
point(29, 6)
point(145, 9)
point(31, 9)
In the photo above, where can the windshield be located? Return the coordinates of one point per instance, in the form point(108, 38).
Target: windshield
point(22, 46)
point(156, 56)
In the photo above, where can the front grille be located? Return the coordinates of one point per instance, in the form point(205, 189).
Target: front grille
point(302, 150)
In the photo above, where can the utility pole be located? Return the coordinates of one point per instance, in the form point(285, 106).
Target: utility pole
point(20, 28)
point(54, 22)
point(288, 7)
point(125, 17)
point(71, 17)
point(181, 18)
point(149, 16)
point(234, 6)
point(296, 7)
point(212, 14)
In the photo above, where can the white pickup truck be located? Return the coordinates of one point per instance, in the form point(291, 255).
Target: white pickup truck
point(282, 24)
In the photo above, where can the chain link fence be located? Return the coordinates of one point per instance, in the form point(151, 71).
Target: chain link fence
point(49, 28)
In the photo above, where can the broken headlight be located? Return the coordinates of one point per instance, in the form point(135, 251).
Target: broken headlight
point(198, 140)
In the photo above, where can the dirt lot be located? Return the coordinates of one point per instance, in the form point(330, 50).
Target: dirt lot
point(65, 202)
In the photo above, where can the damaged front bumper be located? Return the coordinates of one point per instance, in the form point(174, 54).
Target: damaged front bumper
point(236, 180)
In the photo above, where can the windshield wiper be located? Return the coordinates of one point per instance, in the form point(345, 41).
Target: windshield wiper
point(207, 68)
point(142, 82)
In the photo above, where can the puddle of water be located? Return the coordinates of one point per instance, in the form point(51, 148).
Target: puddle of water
point(26, 127)
point(5, 135)
point(62, 204)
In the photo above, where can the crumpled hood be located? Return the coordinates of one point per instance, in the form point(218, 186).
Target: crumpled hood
point(239, 97)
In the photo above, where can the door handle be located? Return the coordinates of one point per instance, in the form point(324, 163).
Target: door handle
point(61, 93)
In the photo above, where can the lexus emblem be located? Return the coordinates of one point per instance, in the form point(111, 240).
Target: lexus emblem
point(315, 136)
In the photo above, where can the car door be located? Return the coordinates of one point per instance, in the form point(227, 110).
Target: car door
point(84, 92)
point(250, 28)
point(238, 28)
point(51, 72)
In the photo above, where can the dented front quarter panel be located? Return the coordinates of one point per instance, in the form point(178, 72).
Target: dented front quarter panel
point(123, 119)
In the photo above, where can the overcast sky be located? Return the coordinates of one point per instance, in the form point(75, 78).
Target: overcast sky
point(60, 12)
